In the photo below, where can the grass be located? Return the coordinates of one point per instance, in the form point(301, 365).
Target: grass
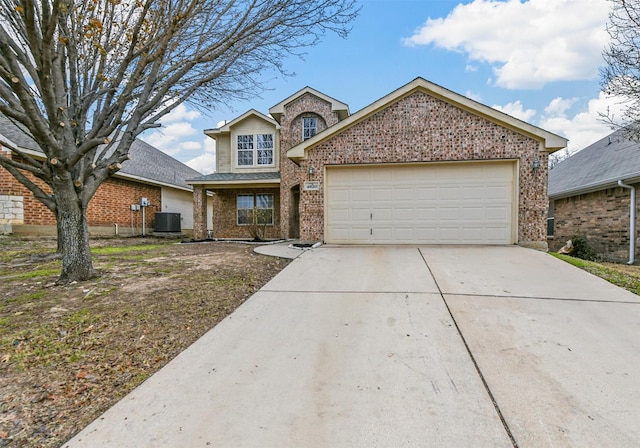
point(114, 250)
point(620, 275)
point(51, 272)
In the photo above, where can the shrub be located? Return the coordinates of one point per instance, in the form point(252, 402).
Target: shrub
point(583, 250)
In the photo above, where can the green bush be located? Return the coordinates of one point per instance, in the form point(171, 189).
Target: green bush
point(583, 250)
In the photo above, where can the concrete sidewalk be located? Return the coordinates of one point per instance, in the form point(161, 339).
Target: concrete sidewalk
point(401, 346)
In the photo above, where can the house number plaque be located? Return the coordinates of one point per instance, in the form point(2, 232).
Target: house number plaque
point(310, 185)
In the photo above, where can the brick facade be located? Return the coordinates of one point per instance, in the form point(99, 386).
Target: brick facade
point(414, 127)
point(224, 214)
point(422, 128)
point(110, 205)
point(292, 175)
point(602, 217)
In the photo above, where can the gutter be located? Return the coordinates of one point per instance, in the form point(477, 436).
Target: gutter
point(632, 221)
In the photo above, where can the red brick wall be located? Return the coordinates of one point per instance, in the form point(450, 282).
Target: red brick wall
point(110, 205)
point(601, 217)
point(224, 214)
point(421, 128)
point(290, 135)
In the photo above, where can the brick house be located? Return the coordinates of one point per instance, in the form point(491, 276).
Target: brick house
point(592, 194)
point(150, 174)
point(422, 165)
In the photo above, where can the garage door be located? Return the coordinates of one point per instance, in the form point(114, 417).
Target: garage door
point(455, 203)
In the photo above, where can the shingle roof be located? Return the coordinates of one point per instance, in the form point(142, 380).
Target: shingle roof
point(17, 134)
point(147, 163)
point(150, 163)
point(224, 177)
point(597, 166)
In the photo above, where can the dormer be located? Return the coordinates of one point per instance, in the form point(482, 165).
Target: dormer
point(247, 144)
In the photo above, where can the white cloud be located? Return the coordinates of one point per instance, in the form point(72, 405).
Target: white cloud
point(180, 113)
point(204, 163)
point(585, 127)
point(209, 145)
point(516, 109)
point(176, 135)
point(529, 42)
point(474, 96)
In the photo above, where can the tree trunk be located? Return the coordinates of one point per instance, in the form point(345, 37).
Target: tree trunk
point(73, 241)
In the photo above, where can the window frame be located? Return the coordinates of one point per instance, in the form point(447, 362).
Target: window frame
point(255, 205)
point(309, 131)
point(244, 209)
point(256, 148)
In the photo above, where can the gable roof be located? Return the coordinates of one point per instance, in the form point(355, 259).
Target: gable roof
point(336, 106)
point(552, 142)
point(147, 164)
point(227, 126)
point(596, 167)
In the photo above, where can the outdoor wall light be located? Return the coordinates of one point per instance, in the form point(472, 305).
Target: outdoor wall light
point(535, 165)
point(311, 171)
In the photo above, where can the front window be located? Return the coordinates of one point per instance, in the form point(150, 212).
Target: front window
point(254, 209)
point(245, 209)
point(309, 127)
point(245, 150)
point(255, 150)
point(264, 209)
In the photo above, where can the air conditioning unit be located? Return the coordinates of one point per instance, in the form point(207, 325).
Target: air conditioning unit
point(168, 222)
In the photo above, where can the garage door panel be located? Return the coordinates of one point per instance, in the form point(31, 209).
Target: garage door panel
point(458, 203)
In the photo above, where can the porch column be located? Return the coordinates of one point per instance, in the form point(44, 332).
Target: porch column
point(199, 212)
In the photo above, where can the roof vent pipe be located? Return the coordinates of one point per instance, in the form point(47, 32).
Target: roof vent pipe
point(632, 221)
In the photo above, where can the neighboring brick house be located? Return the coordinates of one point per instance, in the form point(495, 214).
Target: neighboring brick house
point(150, 174)
point(422, 165)
point(587, 199)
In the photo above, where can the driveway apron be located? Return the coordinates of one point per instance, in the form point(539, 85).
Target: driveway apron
point(401, 346)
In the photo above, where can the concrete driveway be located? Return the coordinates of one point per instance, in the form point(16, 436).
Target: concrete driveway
point(402, 347)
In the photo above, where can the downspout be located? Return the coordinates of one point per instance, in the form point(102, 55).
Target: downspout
point(632, 219)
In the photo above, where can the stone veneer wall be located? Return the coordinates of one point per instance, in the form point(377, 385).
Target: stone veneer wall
point(602, 217)
point(421, 128)
point(290, 135)
point(224, 214)
point(11, 212)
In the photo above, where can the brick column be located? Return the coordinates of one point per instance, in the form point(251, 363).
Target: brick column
point(199, 212)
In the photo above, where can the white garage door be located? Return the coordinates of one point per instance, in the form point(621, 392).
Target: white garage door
point(455, 203)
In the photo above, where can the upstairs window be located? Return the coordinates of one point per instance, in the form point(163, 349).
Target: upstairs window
point(255, 150)
point(265, 149)
point(245, 150)
point(309, 127)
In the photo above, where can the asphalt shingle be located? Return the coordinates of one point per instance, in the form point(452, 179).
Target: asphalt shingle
point(615, 157)
point(147, 163)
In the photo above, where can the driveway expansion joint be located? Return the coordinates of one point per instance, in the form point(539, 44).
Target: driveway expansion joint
point(473, 359)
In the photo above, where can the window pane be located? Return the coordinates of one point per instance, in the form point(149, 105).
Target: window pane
point(265, 217)
point(265, 149)
point(264, 208)
point(245, 208)
point(265, 141)
point(264, 201)
point(245, 150)
point(309, 127)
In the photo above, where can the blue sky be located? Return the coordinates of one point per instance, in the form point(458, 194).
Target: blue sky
point(537, 60)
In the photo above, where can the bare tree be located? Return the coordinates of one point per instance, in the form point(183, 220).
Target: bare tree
point(621, 74)
point(557, 157)
point(87, 77)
